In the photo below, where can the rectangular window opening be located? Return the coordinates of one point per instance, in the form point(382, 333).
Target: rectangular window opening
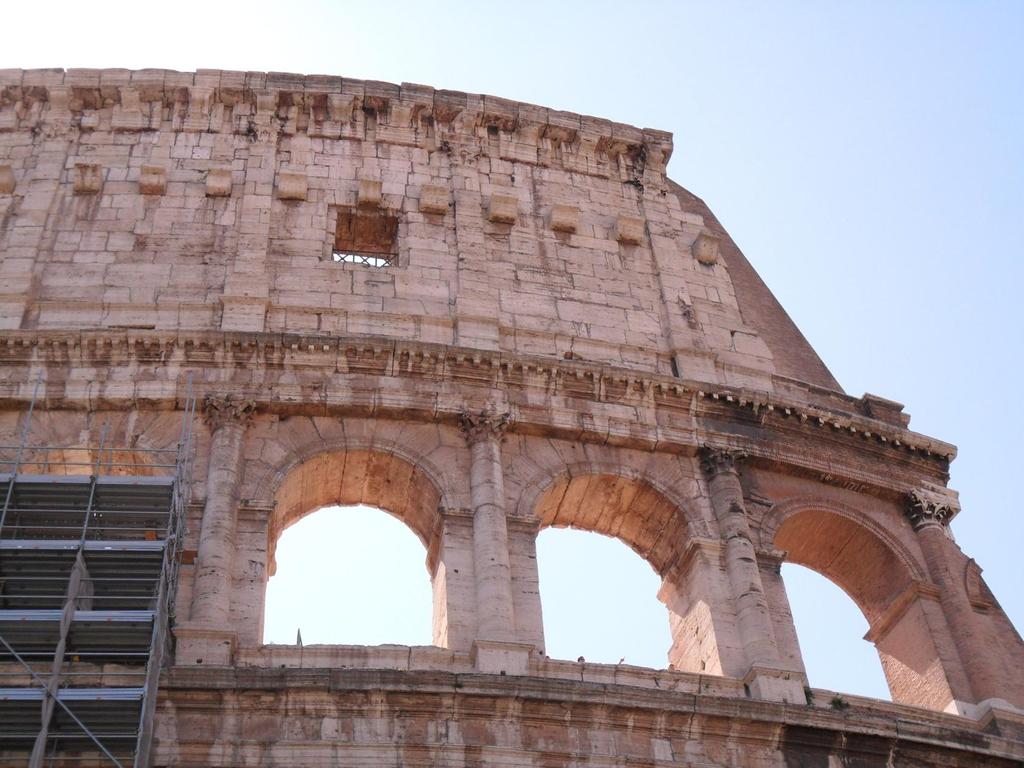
point(364, 259)
point(367, 238)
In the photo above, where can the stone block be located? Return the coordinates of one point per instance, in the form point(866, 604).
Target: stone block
point(629, 230)
point(6, 180)
point(207, 646)
point(503, 209)
point(292, 186)
point(705, 248)
point(434, 199)
point(218, 182)
point(153, 180)
point(88, 178)
point(369, 193)
point(501, 658)
point(776, 685)
point(564, 218)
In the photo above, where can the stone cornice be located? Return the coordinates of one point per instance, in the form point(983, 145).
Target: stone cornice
point(255, 104)
point(655, 692)
point(691, 405)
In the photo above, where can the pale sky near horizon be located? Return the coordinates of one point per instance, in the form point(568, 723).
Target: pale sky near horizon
point(867, 158)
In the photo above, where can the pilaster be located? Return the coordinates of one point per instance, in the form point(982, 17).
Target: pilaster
point(208, 636)
point(494, 606)
point(767, 676)
point(929, 511)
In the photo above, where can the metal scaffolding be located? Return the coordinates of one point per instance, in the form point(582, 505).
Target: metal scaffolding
point(89, 539)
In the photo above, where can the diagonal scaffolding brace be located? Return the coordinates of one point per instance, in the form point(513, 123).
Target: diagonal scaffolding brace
point(111, 530)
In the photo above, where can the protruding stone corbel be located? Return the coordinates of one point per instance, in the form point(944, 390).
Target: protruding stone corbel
point(88, 178)
point(218, 182)
point(292, 186)
point(564, 218)
point(503, 209)
point(705, 248)
point(714, 460)
point(200, 103)
point(926, 508)
point(433, 199)
point(488, 424)
point(220, 411)
point(127, 116)
point(370, 195)
point(629, 230)
point(152, 180)
point(7, 181)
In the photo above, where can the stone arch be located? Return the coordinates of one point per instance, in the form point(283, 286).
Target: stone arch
point(624, 505)
point(376, 478)
point(837, 540)
point(266, 483)
point(380, 475)
point(886, 582)
point(630, 505)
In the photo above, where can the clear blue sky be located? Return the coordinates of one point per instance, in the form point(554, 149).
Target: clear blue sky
point(867, 157)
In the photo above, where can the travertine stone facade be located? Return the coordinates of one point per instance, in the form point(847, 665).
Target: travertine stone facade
point(559, 336)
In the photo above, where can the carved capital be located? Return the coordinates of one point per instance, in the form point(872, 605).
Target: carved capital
point(487, 424)
point(221, 411)
point(926, 509)
point(714, 460)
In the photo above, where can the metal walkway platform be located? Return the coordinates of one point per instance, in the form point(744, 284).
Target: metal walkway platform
point(88, 562)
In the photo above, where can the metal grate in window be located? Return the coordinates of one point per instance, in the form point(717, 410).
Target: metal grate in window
point(378, 260)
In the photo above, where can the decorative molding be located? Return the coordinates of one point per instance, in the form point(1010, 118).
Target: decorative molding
point(221, 411)
point(714, 461)
point(487, 424)
point(257, 104)
point(927, 508)
point(794, 411)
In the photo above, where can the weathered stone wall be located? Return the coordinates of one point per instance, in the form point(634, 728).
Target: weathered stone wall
point(565, 339)
point(167, 200)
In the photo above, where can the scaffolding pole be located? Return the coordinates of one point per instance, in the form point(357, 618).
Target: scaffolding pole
point(110, 532)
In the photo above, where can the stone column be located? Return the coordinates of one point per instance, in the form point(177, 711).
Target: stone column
point(787, 645)
point(453, 582)
point(767, 679)
point(929, 514)
point(208, 634)
point(495, 647)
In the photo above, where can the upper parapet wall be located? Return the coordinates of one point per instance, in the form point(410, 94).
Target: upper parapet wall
point(239, 201)
point(329, 107)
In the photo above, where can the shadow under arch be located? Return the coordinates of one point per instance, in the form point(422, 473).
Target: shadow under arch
point(631, 508)
point(624, 506)
point(885, 582)
point(348, 477)
point(372, 477)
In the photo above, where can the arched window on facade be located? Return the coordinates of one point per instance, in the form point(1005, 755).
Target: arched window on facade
point(831, 630)
point(349, 575)
point(612, 584)
point(600, 601)
point(349, 555)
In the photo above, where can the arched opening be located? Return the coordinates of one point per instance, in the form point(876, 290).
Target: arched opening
point(884, 583)
point(349, 575)
point(639, 515)
point(354, 480)
point(600, 601)
point(831, 631)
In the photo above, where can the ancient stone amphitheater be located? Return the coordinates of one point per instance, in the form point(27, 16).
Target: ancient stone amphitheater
point(230, 299)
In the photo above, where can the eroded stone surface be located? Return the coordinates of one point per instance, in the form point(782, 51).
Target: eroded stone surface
point(543, 331)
